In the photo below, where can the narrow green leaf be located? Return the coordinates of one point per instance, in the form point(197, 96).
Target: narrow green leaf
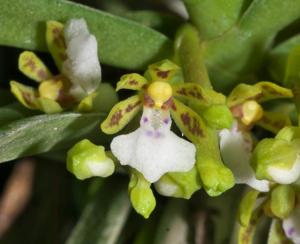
point(104, 216)
point(42, 133)
point(122, 43)
point(173, 226)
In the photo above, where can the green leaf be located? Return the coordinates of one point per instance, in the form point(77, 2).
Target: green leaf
point(278, 57)
point(173, 226)
point(213, 18)
point(122, 43)
point(104, 216)
point(43, 133)
point(12, 112)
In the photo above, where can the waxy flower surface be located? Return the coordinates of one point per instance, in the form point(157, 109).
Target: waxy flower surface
point(74, 51)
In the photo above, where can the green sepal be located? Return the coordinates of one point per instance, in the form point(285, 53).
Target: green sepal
point(86, 160)
point(25, 94)
point(56, 42)
point(188, 121)
point(215, 177)
point(164, 70)
point(273, 121)
point(31, 66)
point(48, 106)
point(141, 195)
point(102, 100)
point(261, 92)
point(132, 81)
point(282, 201)
point(247, 206)
point(195, 93)
point(218, 116)
point(272, 152)
point(179, 184)
point(121, 114)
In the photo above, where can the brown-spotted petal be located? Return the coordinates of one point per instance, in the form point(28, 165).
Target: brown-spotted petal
point(31, 66)
point(56, 42)
point(132, 81)
point(188, 121)
point(121, 114)
point(270, 91)
point(25, 94)
point(273, 121)
point(197, 93)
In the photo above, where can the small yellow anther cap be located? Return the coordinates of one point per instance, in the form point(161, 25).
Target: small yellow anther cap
point(160, 92)
point(252, 112)
point(50, 89)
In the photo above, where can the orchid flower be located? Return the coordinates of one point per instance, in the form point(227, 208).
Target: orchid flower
point(153, 149)
point(74, 51)
point(236, 144)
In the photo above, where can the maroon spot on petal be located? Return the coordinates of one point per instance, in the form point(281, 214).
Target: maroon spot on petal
point(132, 82)
point(42, 74)
point(116, 118)
point(28, 98)
point(30, 63)
point(130, 107)
point(162, 74)
point(192, 124)
point(148, 101)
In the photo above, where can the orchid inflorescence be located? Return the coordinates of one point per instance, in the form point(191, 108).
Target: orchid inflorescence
point(212, 146)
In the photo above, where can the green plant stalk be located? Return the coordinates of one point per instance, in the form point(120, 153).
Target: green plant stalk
point(189, 52)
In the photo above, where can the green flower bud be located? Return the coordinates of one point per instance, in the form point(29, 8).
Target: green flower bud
point(86, 160)
point(282, 201)
point(276, 160)
point(179, 184)
point(218, 116)
point(141, 195)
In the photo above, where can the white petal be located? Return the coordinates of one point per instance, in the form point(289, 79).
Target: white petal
point(82, 66)
point(284, 176)
point(291, 226)
point(153, 149)
point(236, 152)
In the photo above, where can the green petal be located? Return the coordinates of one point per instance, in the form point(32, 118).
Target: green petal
point(56, 42)
point(247, 206)
point(164, 71)
point(260, 92)
point(141, 195)
point(242, 93)
point(121, 114)
point(195, 92)
point(289, 133)
point(102, 100)
point(86, 160)
point(48, 106)
point(179, 184)
point(25, 94)
point(270, 91)
point(31, 66)
point(132, 81)
point(282, 201)
point(188, 121)
point(273, 121)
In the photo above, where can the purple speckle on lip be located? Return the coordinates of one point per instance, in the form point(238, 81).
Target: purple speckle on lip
point(291, 231)
point(149, 133)
point(145, 119)
point(166, 121)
